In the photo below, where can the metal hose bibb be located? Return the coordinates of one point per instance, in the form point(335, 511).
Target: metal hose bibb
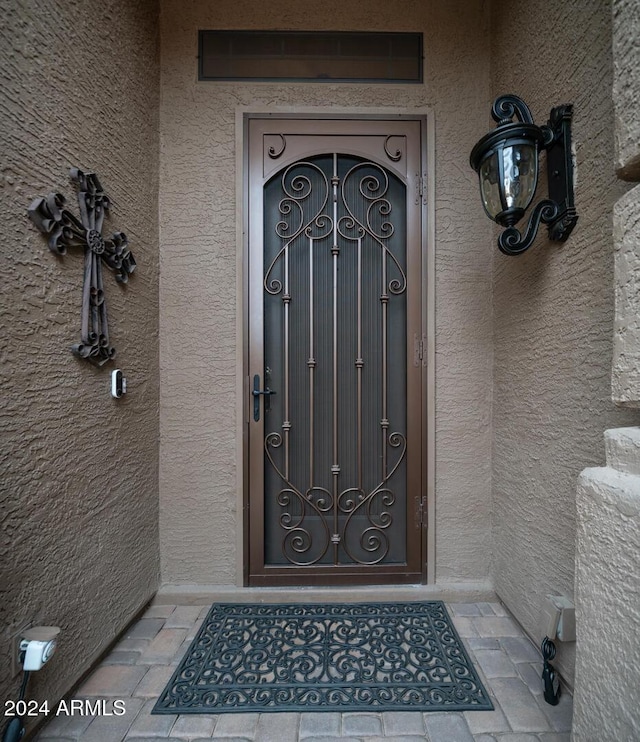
point(550, 678)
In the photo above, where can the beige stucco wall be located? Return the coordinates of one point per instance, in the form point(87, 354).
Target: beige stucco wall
point(625, 373)
point(79, 477)
point(626, 85)
point(625, 377)
point(553, 312)
point(200, 289)
point(608, 502)
point(607, 605)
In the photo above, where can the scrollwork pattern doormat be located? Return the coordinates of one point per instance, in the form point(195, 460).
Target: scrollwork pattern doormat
point(376, 656)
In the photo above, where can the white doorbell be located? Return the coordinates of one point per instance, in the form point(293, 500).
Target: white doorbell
point(118, 384)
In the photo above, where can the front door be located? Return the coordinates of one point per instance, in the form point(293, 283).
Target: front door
point(334, 383)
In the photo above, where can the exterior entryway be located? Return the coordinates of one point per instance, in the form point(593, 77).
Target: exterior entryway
point(335, 352)
point(138, 669)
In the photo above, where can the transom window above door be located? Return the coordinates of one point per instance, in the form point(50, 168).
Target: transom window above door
point(310, 56)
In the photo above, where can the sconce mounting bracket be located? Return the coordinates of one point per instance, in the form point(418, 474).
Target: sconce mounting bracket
point(560, 173)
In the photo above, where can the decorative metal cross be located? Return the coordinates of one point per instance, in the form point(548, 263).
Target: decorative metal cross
point(65, 230)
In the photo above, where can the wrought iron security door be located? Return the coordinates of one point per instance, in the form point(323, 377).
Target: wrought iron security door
point(334, 383)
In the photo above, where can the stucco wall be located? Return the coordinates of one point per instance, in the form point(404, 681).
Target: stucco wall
point(626, 85)
point(553, 312)
point(200, 294)
point(608, 503)
point(607, 606)
point(79, 477)
point(625, 374)
point(625, 377)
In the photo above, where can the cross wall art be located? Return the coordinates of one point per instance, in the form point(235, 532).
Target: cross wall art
point(64, 230)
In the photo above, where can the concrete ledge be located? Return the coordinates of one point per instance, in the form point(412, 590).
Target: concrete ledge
point(622, 447)
point(609, 488)
point(467, 592)
point(630, 170)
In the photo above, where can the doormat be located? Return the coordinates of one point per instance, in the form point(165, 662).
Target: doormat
point(347, 657)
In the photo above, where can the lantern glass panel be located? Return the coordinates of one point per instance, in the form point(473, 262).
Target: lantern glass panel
point(490, 185)
point(520, 166)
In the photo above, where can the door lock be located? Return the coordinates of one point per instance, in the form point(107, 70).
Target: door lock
point(257, 393)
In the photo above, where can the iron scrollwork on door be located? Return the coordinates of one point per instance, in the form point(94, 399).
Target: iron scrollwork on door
point(339, 455)
point(63, 230)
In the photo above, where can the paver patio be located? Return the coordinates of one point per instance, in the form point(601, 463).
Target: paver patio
point(139, 667)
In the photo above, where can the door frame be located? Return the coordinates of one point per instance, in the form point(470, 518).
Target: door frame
point(426, 180)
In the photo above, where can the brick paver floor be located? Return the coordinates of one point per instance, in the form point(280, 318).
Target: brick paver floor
point(139, 667)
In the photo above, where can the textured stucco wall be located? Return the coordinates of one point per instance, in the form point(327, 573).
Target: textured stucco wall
point(625, 376)
point(200, 475)
point(607, 595)
point(553, 312)
point(79, 470)
point(626, 87)
point(608, 503)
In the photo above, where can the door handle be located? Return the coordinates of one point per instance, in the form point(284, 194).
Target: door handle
point(257, 393)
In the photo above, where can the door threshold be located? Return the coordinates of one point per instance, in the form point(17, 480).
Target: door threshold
point(452, 592)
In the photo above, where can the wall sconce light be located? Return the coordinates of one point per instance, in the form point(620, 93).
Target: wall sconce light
point(506, 160)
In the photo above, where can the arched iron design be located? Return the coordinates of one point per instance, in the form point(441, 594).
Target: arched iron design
point(297, 188)
point(373, 189)
point(348, 521)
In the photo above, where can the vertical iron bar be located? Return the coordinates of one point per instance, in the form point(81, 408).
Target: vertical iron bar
point(384, 423)
point(311, 363)
point(286, 424)
point(335, 250)
point(359, 365)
